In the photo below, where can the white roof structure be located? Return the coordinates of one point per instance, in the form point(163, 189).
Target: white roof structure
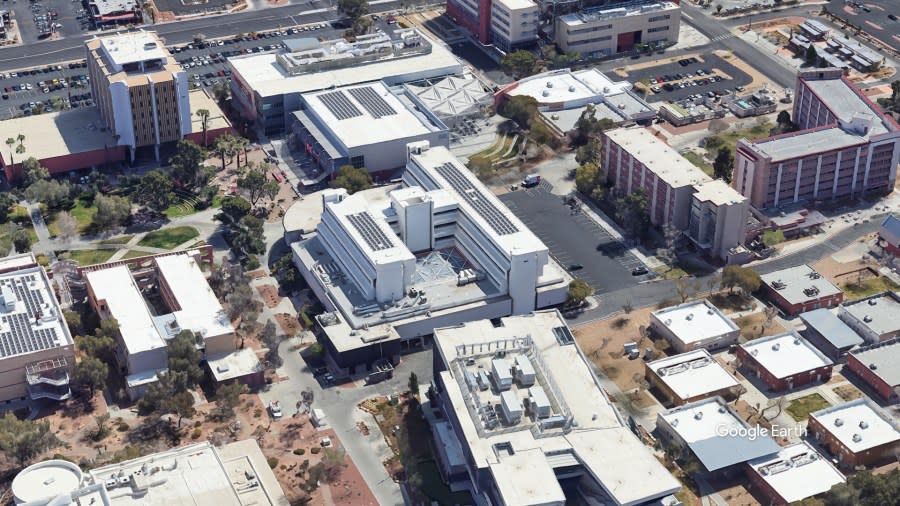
point(716, 435)
point(613, 12)
point(796, 472)
point(195, 475)
point(200, 310)
point(659, 157)
point(846, 102)
point(786, 354)
point(695, 321)
point(583, 429)
point(693, 373)
point(877, 313)
point(234, 364)
point(882, 359)
point(125, 303)
point(451, 95)
point(30, 318)
point(132, 47)
point(717, 192)
point(268, 77)
point(799, 284)
point(859, 425)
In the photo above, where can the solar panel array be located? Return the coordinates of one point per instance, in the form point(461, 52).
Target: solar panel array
point(373, 102)
point(21, 337)
point(475, 198)
point(339, 105)
point(370, 231)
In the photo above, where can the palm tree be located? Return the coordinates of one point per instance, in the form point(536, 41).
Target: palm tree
point(240, 145)
point(204, 122)
point(20, 138)
point(9, 142)
point(224, 146)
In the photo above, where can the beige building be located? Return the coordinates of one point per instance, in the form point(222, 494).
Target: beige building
point(140, 90)
point(605, 31)
point(37, 352)
point(718, 218)
point(514, 23)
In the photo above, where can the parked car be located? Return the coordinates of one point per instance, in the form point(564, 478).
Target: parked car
point(531, 180)
point(639, 271)
point(275, 410)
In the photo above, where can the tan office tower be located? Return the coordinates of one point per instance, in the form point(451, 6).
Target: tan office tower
point(141, 92)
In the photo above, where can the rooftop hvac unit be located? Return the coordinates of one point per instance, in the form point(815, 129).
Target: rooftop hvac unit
point(779, 285)
point(776, 347)
point(689, 317)
point(867, 319)
point(863, 424)
point(873, 302)
point(873, 366)
point(698, 415)
point(857, 438)
point(838, 422)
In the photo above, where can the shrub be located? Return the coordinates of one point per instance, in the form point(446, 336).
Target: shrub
point(198, 423)
point(315, 450)
point(122, 427)
point(257, 413)
point(273, 462)
point(197, 433)
point(299, 451)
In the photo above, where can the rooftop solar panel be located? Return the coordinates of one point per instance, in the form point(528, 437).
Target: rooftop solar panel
point(370, 231)
point(376, 106)
point(339, 105)
point(475, 198)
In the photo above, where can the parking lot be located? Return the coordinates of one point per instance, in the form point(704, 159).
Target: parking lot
point(575, 239)
point(37, 20)
point(697, 77)
point(874, 18)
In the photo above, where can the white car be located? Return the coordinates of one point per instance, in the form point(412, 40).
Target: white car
point(275, 410)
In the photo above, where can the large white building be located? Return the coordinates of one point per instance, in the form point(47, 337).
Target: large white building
point(442, 249)
point(618, 28)
point(796, 472)
point(552, 423)
point(266, 87)
point(116, 291)
point(514, 23)
point(694, 324)
point(199, 474)
point(37, 352)
point(364, 126)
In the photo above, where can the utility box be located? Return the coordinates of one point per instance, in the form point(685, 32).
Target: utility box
point(524, 371)
point(501, 374)
point(538, 403)
point(510, 407)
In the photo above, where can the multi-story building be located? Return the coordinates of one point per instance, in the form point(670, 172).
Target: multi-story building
point(794, 473)
point(879, 366)
point(785, 361)
point(514, 23)
point(681, 195)
point(889, 235)
point(858, 433)
point(618, 28)
point(799, 289)
point(846, 146)
point(690, 377)
point(37, 352)
point(874, 317)
point(546, 425)
point(140, 90)
point(474, 16)
point(695, 324)
point(391, 264)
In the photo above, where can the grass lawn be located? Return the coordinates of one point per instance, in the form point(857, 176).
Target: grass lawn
point(121, 239)
point(84, 216)
point(699, 162)
point(135, 254)
point(168, 238)
point(88, 256)
point(728, 140)
point(802, 407)
point(869, 287)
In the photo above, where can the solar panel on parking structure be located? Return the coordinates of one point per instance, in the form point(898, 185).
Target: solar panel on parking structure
point(373, 102)
point(478, 200)
point(370, 231)
point(339, 105)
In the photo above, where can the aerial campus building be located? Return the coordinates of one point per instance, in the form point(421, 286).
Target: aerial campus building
point(37, 352)
point(507, 24)
point(846, 147)
point(390, 266)
point(796, 472)
point(690, 377)
point(266, 88)
point(695, 324)
point(799, 289)
point(873, 317)
point(712, 214)
point(526, 422)
point(199, 474)
point(829, 333)
point(784, 361)
point(879, 366)
point(188, 303)
point(618, 28)
point(858, 433)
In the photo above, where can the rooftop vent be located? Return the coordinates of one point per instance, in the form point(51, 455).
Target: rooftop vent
point(863, 424)
point(873, 366)
point(722, 409)
point(873, 302)
point(549, 84)
point(814, 275)
point(698, 415)
point(867, 319)
point(779, 285)
point(776, 346)
point(571, 89)
point(857, 438)
point(838, 422)
point(796, 340)
point(689, 317)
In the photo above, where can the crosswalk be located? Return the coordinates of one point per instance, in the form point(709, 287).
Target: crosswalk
point(724, 36)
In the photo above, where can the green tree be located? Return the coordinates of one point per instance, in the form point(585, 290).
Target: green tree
point(10, 142)
point(413, 384)
point(588, 153)
point(353, 9)
point(154, 190)
point(54, 194)
point(590, 180)
point(866, 489)
point(784, 118)
point(518, 64)
point(588, 126)
point(23, 440)
point(184, 358)
point(73, 321)
point(112, 211)
point(286, 273)
point(204, 124)
point(91, 372)
point(521, 108)
point(723, 165)
point(33, 171)
point(632, 213)
point(21, 241)
point(236, 207)
point(224, 146)
point(772, 237)
point(182, 404)
point(96, 345)
point(227, 398)
point(352, 179)
point(744, 278)
point(255, 183)
point(67, 226)
point(811, 55)
point(250, 238)
point(579, 291)
point(187, 164)
point(7, 201)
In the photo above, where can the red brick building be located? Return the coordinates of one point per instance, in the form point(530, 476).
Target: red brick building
point(473, 15)
point(889, 235)
point(796, 472)
point(857, 433)
point(879, 366)
point(690, 377)
point(785, 361)
point(800, 289)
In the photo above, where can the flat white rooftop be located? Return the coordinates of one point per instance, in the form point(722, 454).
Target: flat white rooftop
point(234, 364)
point(658, 157)
point(200, 308)
point(878, 312)
point(61, 133)
point(800, 284)
point(527, 479)
point(693, 373)
point(718, 192)
point(797, 471)
point(808, 142)
point(695, 321)
point(786, 354)
point(518, 4)
point(365, 114)
point(131, 47)
point(30, 318)
point(716, 435)
point(612, 12)
point(882, 359)
point(846, 102)
point(125, 303)
point(859, 425)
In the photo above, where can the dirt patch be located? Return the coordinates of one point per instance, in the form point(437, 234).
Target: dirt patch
point(840, 272)
point(733, 490)
point(753, 326)
point(848, 392)
point(269, 294)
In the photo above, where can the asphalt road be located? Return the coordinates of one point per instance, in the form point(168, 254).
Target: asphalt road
point(875, 22)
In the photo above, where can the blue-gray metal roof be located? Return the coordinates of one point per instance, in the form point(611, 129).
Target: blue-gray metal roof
point(722, 451)
point(832, 328)
point(891, 224)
